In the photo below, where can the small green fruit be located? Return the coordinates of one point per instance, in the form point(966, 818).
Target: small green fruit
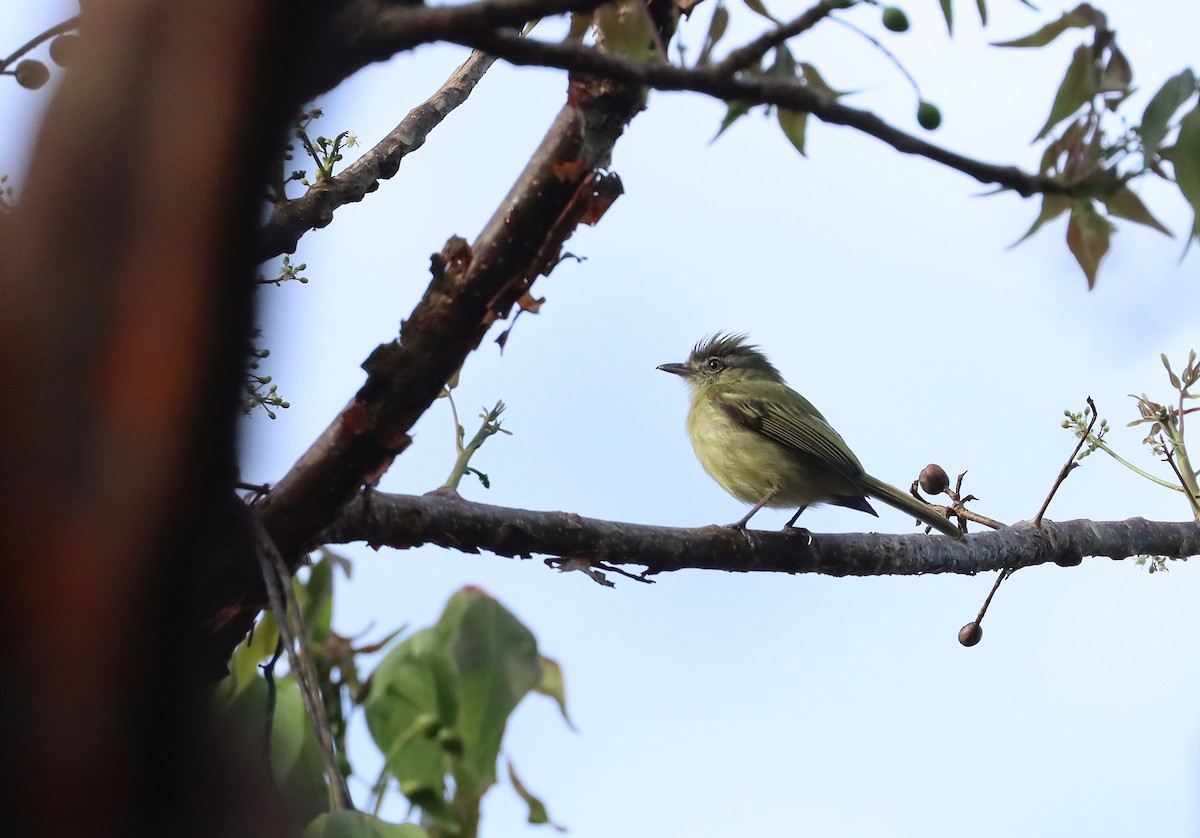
point(895, 19)
point(928, 116)
point(31, 74)
point(63, 49)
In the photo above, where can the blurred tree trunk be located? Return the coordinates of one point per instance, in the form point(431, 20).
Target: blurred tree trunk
point(125, 298)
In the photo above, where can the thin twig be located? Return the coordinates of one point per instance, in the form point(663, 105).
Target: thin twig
point(744, 56)
point(1000, 577)
point(1068, 467)
point(268, 671)
point(283, 599)
point(314, 209)
point(66, 26)
point(1168, 455)
point(763, 90)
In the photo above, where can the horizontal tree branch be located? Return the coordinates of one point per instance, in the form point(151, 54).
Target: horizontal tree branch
point(714, 80)
point(362, 32)
point(447, 520)
point(314, 209)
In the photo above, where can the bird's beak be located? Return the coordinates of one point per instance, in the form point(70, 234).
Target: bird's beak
point(677, 369)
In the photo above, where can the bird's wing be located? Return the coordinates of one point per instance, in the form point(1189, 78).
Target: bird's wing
point(799, 427)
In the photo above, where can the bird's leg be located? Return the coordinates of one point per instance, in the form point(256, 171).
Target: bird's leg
point(792, 520)
point(741, 525)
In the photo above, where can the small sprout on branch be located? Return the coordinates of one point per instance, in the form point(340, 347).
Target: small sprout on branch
point(256, 395)
point(1165, 436)
point(287, 273)
point(490, 427)
point(7, 201)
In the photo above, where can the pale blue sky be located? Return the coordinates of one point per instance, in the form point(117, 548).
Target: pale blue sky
point(715, 704)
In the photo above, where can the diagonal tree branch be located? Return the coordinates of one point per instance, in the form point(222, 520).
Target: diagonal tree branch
point(445, 519)
point(472, 286)
point(314, 209)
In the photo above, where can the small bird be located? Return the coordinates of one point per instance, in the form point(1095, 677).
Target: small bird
point(767, 445)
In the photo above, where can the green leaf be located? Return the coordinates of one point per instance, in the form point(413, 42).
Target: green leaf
point(496, 662)
point(1124, 203)
point(243, 666)
point(1088, 235)
point(1053, 206)
point(982, 6)
point(626, 29)
point(1078, 86)
point(403, 701)
point(815, 81)
point(295, 757)
point(537, 809)
point(784, 65)
point(757, 6)
point(948, 13)
point(351, 824)
point(794, 125)
point(553, 685)
point(1157, 117)
point(1077, 18)
point(1175, 382)
point(1118, 74)
point(1186, 159)
point(734, 111)
point(716, 31)
point(318, 601)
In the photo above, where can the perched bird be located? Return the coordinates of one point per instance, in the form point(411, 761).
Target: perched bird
point(768, 446)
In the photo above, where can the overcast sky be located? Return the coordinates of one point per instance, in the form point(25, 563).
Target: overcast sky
point(712, 704)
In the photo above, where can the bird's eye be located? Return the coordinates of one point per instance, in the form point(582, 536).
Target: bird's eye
point(715, 365)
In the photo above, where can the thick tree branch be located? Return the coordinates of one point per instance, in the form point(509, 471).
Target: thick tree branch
point(714, 81)
point(362, 32)
point(447, 520)
point(314, 209)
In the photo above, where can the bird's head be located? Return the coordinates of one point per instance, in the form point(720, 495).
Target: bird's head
point(724, 358)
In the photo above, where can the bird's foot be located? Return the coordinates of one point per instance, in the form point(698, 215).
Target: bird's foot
point(799, 531)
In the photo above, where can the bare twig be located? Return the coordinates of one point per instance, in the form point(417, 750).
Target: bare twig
point(66, 26)
point(1000, 577)
point(314, 209)
point(268, 671)
point(1169, 456)
point(744, 56)
point(1068, 467)
point(283, 601)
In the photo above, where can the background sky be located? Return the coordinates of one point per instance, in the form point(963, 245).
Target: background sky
point(714, 704)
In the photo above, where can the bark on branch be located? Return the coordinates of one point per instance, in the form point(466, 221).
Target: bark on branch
point(447, 520)
point(314, 209)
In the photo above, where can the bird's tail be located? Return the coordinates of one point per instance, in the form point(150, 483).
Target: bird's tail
point(907, 503)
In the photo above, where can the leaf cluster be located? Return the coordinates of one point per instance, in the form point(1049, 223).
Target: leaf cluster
point(436, 705)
